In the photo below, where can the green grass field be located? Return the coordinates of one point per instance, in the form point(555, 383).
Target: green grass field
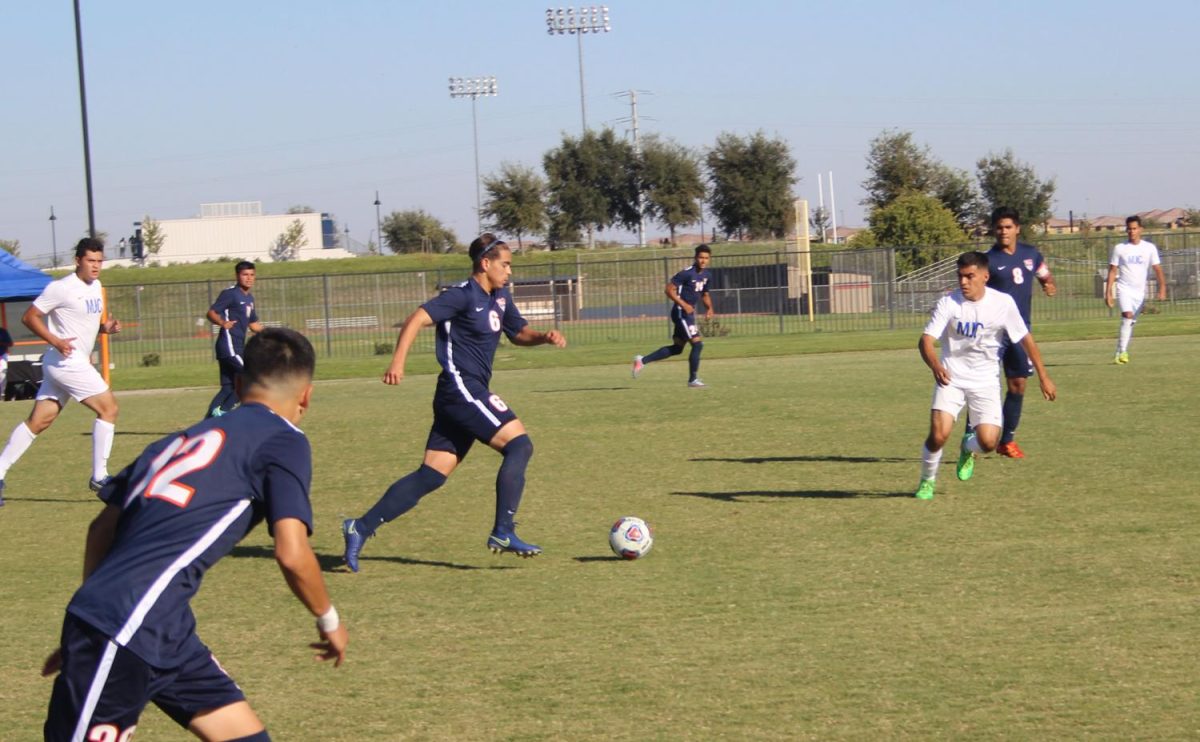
point(795, 591)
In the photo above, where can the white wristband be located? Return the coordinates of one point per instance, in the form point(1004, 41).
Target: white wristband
point(329, 621)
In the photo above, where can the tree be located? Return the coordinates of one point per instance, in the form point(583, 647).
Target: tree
point(898, 166)
point(751, 184)
point(1005, 181)
point(515, 203)
point(287, 245)
point(915, 220)
point(671, 181)
point(819, 220)
point(416, 231)
point(1191, 217)
point(591, 182)
point(12, 247)
point(152, 235)
point(301, 209)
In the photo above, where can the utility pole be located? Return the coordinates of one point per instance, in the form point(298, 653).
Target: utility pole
point(378, 228)
point(637, 153)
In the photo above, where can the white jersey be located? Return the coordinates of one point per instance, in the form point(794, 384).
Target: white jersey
point(1133, 264)
point(972, 334)
point(73, 310)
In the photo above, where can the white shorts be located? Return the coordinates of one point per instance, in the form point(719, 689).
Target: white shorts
point(70, 381)
point(1127, 301)
point(983, 403)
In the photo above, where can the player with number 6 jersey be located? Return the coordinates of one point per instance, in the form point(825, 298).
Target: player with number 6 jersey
point(470, 317)
point(129, 637)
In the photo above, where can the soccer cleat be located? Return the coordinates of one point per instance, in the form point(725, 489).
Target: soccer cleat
point(354, 543)
point(637, 366)
point(966, 460)
point(1011, 450)
point(697, 384)
point(1122, 358)
point(925, 491)
point(216, 412)
point(507, 542)
point(95, 485)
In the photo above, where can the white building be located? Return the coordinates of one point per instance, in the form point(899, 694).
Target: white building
point(237, 230)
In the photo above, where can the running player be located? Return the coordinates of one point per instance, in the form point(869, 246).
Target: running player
point(684, 289)
point(470, 317)
point(233, 312)
point(973, 323)
point(1127, 267)
point(129, 636)
point(69, 315)
point(1013, 266)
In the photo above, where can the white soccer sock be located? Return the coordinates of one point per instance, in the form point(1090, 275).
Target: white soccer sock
point(973, 444)
point(929, 462)
point(18, 443)
point(1125, 335)
point(102, 440)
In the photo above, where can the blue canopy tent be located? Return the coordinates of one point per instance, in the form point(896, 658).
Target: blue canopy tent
point(19, 281)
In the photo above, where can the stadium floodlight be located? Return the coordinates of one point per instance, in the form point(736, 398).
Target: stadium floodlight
point(587, 19)
point(473, 87)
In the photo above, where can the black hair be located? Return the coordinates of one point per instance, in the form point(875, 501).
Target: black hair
point(701, 248)
point(973, 259)
point(87, 245)
point(1132, 219)
point(1005, 212)
point(481, 246)
point(277, 354)
point(244, 265)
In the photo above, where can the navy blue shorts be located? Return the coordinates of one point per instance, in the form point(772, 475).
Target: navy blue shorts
point(465, 414)
point(684, 325)
point(1016, 361)
point(125, 684)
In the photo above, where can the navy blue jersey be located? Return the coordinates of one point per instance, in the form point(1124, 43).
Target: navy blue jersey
point(691, 283)
point(469, 321)
point(237, 305)
point(185, 502)
point(1016, 275)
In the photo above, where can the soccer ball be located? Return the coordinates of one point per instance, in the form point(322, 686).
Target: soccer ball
point(630, 538)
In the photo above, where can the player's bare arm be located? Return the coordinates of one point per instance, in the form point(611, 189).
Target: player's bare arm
point(100, 535)
point(673, 295)
point(35, 320)
point(110, 327)
point(529, 337)
point(1049, 390)
point(1046, 278)
point(929, 354)
point(300, 568)
point(416, 321)
point(219, 321)
point(1162, 282)
point(256, 326)
point(1108, 286)
point(708, 308)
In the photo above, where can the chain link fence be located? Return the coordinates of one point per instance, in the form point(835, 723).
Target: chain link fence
point(620, 299)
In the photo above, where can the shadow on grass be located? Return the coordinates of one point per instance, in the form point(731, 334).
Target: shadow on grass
point(584, 389)
point(609, 558)
point(81, 501)
point(146, 434)
point(832, 459)
point(815, 494)
point(334, 563)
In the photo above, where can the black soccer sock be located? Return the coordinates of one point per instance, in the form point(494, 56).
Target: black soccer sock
point(510, 480)
point(401, 497)
point(664, 352)
point(1012, 416)
point(694, 360)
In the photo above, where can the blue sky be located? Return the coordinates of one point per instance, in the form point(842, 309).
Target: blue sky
point(324, 103)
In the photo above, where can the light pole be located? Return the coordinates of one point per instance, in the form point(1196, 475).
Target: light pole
point(347, 231)
point(378, 228)
point(87, 148)
point(53, 239)
point(593, 19)
point(473, 87)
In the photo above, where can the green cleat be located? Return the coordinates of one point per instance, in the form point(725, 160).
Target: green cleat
point(1123, 358)
point(925, 491)
point(966, 460)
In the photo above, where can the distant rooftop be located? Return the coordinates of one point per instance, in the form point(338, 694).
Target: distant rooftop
point(231, 208)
